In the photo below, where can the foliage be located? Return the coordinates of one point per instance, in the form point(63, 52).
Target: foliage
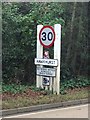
point(19, 37)
point(74, 83)
point(79, 82)
point(14, 88)
point(36, 89)
point(19, 24)
point(75, 42)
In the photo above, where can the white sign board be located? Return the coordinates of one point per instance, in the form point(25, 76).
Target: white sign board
point(46, 81)
point(46, 71)
point(49, 62)
point(47, 36)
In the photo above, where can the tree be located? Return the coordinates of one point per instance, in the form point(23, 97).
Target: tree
point(19, 36)
point(19, 22)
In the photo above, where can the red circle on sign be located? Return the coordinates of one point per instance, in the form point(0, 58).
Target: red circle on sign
point(52, 42)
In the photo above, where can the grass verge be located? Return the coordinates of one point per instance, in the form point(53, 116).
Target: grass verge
point(25, 101)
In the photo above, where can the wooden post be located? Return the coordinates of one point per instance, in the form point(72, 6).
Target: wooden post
point(50, 87)
point(57, 53)
point(39, 55)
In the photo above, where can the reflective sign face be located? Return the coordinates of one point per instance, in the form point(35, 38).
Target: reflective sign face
point(46, 71)
point(47, 36)
point(49, 62)
point(46, 81)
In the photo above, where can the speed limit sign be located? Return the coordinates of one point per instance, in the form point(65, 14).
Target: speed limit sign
point(47, 36)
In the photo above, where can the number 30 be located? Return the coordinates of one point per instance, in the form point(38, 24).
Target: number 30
point(48, 36)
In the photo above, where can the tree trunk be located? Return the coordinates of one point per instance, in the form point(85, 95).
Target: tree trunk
point(71, 33)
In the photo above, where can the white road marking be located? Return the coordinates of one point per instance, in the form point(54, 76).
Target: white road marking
point(26, 114)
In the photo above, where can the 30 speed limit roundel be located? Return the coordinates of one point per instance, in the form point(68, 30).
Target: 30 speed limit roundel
point(47, 36)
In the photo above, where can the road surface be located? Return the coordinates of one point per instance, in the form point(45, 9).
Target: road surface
point(80, 111)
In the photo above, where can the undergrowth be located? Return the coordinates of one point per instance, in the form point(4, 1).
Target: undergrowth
point(64, 86)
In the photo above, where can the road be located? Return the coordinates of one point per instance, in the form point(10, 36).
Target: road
point(80, 111)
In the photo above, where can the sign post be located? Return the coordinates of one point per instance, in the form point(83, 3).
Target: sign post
point(57, 55)
point(39, 55)
point(46, 37)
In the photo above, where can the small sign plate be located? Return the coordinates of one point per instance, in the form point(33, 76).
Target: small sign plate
point(49, 62)
point(46, 81)
point(46, 71)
